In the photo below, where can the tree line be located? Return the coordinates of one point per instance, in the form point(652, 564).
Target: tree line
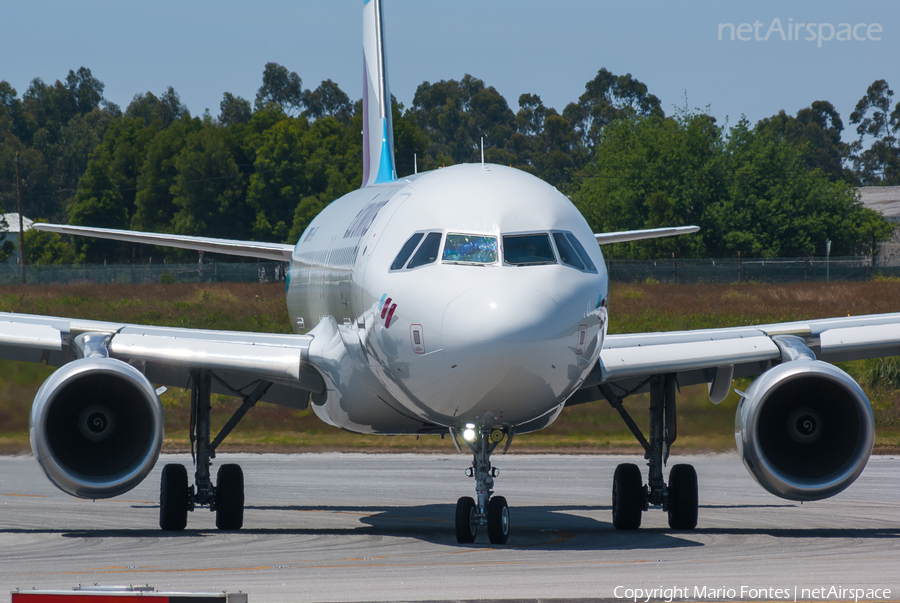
point(263, 170)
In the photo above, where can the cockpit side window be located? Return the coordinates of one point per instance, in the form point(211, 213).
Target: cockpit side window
point(567, 254)
point(528, 250)
point(470, 249)
point(427, 252)
point(582, 253)
point(406, 250)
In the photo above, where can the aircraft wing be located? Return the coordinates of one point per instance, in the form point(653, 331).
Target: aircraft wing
point(715, 356)
point(253, 249)
point(166, 355)
point(624, 236)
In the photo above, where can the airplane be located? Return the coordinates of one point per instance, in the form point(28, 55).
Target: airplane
point(469, 301)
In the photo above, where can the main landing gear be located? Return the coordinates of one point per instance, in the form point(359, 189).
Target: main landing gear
point(630, 497)
point(226, 498)
point(492, 512)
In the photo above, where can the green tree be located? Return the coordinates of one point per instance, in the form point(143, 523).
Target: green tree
point(155, 202)
point(55, 128)
point(37, 184)
point(47, 248)
point(304, 213)
point(880, 163)
point(53, 106)
point(456, 115)
point(106, 193)
point(651, 172)
point(328, 100)
point(166, 108)
point(281, 88)
point(410, 142)
point(67, 159)
point(775, 206)
point(209, 189)
point(609, 98)
point(751, 191)
point(816, 130)
point(9, 249)
point(16, 120)
point(86, 91)
point(234, 110)
point(531, 115)
point(297, 160)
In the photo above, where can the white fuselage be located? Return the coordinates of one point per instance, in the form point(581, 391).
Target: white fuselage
point(468, 337)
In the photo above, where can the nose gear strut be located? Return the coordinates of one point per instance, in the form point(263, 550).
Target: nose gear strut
point(492, 512)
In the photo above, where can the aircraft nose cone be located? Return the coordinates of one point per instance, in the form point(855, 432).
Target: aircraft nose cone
point(508, 350)
point(498, 313)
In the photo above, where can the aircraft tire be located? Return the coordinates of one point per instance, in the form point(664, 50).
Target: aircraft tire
point(683, 499)
point(230, 497)
point(498, 520)
point(466, 528)
point(627, 497)
point(173, 498)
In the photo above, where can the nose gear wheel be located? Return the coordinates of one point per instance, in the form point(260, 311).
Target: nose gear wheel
point(466, 524)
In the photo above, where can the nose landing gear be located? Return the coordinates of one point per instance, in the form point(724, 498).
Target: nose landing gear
point(489, 512)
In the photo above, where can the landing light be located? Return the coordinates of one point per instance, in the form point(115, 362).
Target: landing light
point(469, 433)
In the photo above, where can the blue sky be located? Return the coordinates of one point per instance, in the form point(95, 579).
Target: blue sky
point(205, 48)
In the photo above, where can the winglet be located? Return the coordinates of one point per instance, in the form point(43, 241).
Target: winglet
point(604, 238)
point(378, 131)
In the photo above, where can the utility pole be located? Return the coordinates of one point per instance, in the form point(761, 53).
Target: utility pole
point(21, 227)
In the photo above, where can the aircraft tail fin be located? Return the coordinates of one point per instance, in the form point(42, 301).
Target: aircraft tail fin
point(378, 131)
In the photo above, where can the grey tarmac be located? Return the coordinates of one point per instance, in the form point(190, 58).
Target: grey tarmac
point(373, 527)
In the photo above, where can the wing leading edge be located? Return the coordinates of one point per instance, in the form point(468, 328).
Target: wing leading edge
point(624, 236)
point(252, 249)
point(703, 356)
point(167, 355)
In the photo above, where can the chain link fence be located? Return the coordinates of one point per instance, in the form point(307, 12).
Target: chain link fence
point(207, 272)
point(736, 270)
point(673, 270)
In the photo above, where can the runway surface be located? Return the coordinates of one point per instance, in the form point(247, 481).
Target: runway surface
point(355, 527)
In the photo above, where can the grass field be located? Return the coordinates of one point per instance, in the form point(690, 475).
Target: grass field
point(585, 428)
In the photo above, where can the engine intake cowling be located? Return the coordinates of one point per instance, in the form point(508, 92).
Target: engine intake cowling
point(805, 430)
point(96, 427)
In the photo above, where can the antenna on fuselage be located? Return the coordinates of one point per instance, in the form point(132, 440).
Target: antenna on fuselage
point(482, 151)
point(415, 164)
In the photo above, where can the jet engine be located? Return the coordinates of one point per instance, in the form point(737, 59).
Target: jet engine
point(805, 430)
point(96, 427)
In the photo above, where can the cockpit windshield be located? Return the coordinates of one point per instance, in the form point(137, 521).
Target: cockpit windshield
point(427, 252)
point(528, 250)
point(567, 253)
point(406, 251)
point(470, 249)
